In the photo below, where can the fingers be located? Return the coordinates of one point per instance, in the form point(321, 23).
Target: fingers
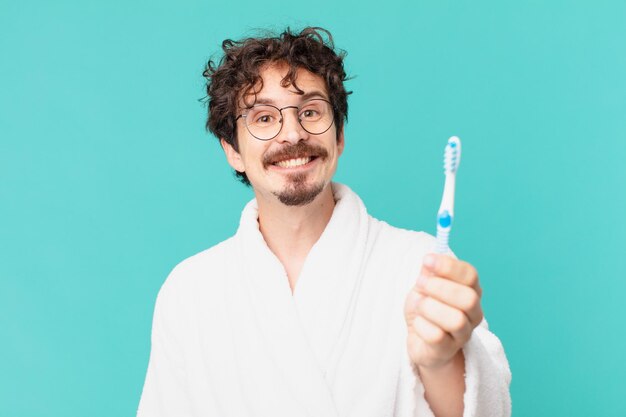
point(452, 269)
point(446, 318)
point(456, 295)
point(431, 333)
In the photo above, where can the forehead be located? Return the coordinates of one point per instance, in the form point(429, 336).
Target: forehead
point(275, 88)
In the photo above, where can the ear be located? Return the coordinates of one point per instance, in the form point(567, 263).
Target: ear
point(232, 156)
point(340, 142)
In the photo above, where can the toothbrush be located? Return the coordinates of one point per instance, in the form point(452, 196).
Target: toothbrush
point(451, 161)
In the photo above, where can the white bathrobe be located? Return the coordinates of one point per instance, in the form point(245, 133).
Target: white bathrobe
point(229, 339)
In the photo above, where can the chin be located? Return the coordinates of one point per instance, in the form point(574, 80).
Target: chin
point(299, 192)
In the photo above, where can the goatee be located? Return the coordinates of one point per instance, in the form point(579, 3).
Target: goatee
point(297, 192)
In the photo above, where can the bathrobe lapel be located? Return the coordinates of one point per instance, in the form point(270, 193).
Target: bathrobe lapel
point(327, 289)
point(273, 309)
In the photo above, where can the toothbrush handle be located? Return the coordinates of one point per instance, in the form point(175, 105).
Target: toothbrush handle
point(443, 234)
point(444, 225)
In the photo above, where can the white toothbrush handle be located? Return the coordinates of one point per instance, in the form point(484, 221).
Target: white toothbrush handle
point(445, 215)
point(443, 233)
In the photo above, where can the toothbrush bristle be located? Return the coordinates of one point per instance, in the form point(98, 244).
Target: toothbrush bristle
point(452, 155)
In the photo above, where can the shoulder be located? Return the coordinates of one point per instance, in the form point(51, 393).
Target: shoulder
point(393, 257)
point(402, 240)
point(200, 270)
point(399, 252)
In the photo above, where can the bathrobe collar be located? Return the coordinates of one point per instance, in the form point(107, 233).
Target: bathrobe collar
point(303, 329)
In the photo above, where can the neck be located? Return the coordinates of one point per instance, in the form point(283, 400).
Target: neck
point(291, 231)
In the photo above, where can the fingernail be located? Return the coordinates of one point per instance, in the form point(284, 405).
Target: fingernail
point(429, 261)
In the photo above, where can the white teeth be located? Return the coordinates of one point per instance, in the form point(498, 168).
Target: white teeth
point(290, 163)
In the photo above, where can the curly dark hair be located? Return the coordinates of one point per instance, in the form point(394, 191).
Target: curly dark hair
point(238, 72)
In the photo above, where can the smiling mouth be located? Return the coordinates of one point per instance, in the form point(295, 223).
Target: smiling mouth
point(295, 156)
point(294, 162)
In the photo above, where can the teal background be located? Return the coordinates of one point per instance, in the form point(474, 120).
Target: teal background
point(108, 179)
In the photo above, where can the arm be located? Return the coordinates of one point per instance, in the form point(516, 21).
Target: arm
point(444, 386)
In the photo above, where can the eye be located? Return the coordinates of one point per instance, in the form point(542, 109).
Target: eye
point(309, 113)
point(263, 119)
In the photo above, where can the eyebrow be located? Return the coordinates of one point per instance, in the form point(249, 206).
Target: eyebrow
point(304, 97)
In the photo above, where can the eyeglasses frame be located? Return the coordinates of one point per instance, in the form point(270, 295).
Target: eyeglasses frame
point(280, 111)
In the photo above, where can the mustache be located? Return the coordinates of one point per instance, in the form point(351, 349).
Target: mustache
point(300, 150)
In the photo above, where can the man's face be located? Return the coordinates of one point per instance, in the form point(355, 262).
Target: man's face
point(295, 166)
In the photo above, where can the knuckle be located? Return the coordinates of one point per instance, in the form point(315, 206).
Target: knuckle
point(473, 300)
point(473, 275)
point(458, 323)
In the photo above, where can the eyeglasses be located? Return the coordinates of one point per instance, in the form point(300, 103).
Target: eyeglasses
point(265, 121)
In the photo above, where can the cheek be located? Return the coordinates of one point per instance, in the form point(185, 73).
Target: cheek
point(252, 154)
point(336, 151)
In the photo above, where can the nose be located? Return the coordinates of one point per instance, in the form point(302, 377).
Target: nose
point(292, 131)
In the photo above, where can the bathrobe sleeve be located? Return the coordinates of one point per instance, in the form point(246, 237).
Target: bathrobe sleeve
point(164, 392)
point(487, 376)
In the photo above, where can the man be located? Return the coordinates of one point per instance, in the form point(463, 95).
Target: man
point(313, 308)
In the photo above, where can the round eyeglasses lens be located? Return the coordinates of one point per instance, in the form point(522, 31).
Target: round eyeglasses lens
point(316, 116)
point(263, 122)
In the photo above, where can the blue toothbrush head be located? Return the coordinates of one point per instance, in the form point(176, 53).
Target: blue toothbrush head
point(452, 155)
